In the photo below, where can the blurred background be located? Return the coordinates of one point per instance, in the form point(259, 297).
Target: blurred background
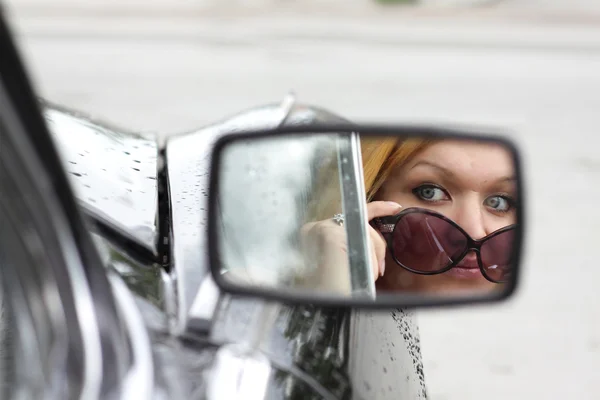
point(531, 67)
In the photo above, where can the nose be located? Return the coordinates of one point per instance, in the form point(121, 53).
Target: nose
point(470, 217)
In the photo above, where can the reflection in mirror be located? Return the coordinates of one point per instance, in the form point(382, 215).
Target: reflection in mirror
point(455, 232)
point(266, 201)
point(440, 215)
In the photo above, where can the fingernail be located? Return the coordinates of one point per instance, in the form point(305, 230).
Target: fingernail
point(394, 204)
point(381, 267)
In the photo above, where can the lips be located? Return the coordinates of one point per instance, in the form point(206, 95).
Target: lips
point(468, 268)
point(465, 273)
point(468, 262)
point(468, 265)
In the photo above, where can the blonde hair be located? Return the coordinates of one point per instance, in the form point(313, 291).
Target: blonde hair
point(380, 156)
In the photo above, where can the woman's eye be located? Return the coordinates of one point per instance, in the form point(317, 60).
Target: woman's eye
point(499, 203)
point(430, 193)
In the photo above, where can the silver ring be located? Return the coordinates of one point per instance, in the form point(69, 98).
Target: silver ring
point(339, 219)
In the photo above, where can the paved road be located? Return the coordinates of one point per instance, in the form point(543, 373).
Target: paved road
point(538, 78)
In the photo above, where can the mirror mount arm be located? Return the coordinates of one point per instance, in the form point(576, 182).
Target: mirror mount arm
point(287, 106)
point(241, 370)
point(264, 320)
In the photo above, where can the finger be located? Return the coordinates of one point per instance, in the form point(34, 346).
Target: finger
point(375, 267)
point(382, 208)
point(379, 251)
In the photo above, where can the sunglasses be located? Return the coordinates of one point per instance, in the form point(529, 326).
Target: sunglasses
point(427, 243)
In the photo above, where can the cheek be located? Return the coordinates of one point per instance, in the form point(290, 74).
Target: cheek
point(494, 222)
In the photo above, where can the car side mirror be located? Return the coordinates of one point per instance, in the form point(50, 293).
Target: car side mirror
point(366, 216)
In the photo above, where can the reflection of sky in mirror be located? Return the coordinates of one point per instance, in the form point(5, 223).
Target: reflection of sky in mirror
point(264, 192)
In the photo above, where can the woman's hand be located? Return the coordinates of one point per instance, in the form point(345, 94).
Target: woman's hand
point(377, 243)
point(325, 247)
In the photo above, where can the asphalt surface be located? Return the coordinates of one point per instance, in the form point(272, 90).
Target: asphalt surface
point(535, 74)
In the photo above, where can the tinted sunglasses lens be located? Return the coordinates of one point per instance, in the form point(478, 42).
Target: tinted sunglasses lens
point(496, 256)
point(426, 243)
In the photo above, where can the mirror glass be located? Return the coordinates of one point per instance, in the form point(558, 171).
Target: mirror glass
point(345, 215)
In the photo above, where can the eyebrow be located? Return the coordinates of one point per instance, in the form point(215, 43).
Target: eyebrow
point(434, 165)
point(450, 173)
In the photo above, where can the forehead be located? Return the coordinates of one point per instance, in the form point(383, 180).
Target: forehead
point(463, 155)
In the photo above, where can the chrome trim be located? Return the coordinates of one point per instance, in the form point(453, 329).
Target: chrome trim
point(86, 315)
point(355, 214)
point(287, 106)
point(204, 305)
point(139, 381)
point(238, 375)
point(168, 284)
point(264, 319)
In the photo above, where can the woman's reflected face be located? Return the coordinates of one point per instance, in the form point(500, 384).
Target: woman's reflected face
point(470, 183)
